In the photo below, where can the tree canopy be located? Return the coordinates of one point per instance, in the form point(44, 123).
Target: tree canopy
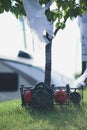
point(64, 9)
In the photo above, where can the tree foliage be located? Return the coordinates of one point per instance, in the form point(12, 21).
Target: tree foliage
point(14, 6)
point(64, 9)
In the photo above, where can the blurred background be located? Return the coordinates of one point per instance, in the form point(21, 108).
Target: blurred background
point(66, 50)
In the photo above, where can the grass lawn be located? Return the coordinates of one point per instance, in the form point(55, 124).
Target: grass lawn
point(14, 117)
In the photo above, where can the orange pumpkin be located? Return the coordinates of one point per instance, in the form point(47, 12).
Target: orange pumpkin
point(28, 97)
point(60, 97)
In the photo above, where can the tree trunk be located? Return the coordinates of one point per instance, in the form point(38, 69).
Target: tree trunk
point(48, 63)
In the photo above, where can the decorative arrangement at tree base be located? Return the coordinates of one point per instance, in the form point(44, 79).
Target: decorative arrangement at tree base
point(42, 96)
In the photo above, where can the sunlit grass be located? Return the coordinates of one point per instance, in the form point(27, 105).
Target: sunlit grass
point(67, 117)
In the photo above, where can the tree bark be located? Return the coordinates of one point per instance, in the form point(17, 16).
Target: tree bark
point(48, 63)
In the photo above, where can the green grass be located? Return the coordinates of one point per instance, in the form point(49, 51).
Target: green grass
point(14, 117)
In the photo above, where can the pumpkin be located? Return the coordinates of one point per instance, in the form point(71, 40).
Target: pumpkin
point(28, 97)
point(60, 97)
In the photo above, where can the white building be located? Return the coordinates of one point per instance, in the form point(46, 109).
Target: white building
point(83, 31)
